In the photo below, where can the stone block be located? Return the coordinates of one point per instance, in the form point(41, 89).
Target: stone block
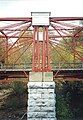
point(48, 76)
point(34, 96)
point(49, 85)
point(34, 119)
point(41, 101)
point(48, 109)
point(34, 108)
point(51, 115)
point(37, 114)
point(41, 85)
point(35, 76)
point(49, 119)
point(41, 115)
point(32, 91)
point(42, 119)
point(42, 91)
point(45, 91)
point(48, 96)
point(35, 85)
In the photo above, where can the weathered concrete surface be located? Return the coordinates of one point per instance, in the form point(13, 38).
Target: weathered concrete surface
point(40, 76)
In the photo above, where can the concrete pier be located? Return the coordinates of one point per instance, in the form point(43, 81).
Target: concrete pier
point(41, 100)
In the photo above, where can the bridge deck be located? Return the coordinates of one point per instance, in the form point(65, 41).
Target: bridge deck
point(22, 71)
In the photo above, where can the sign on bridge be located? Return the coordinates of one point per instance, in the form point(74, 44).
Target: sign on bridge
point(40, 18)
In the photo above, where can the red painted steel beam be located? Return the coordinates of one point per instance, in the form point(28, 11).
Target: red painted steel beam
point(15, 42)
point(59, 53)
point(53, 19)
point(66, 42)
point(1, 36)
point(38, 48)
point(21, 28)
point(22, 53)
point(58, 46)
point(41, 59)
point(69, 25)
point(34, 49)
point(12, 25)
point(16, 19)
point(14, 52)
point(30, 19)
point(14, 34)
point(43, 51)
point(76, 34)
point(64, 36)
point(6, 46)
point(51, 36)
point(47, 50)
point(60, 27)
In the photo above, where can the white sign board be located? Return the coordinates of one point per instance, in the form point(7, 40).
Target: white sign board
point(40, 18)
point(40, 36)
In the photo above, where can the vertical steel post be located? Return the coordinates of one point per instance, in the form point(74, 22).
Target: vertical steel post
point(6, 49)
point(38, 57)
point(47, 50)
point(38, 50)
point(43, 51)
point(34, 46)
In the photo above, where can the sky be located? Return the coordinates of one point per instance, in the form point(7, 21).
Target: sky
point(58, 8)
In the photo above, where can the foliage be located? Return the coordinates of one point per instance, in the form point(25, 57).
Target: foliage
point(62, 109)
point(18, 87)
point(21, 53)
point(75, 97)
point(69, 100)
point(69, 49)
point(14, 95)
point(4, 86)
point(15, 101)
point(2, 49)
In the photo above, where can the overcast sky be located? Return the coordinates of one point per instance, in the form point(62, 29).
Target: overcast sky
point(21, 8)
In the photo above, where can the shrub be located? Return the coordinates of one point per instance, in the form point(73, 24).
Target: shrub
point(62, 109)
point(18, 87)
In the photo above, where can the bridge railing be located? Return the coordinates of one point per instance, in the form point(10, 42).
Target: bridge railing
point(67, 65)
point(15, 66)
point(54, 66)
